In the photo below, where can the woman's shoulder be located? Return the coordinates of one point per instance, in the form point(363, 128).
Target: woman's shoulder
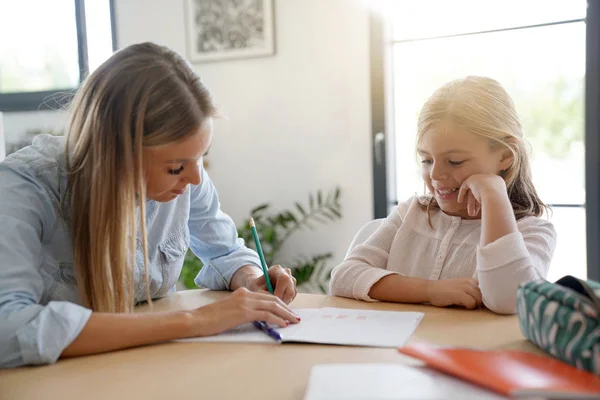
point(45, 151)
point(41, 163)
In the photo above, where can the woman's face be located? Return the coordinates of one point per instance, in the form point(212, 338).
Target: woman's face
point(170, 168)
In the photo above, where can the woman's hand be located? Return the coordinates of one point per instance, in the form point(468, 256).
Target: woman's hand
point(243, 306)
point(479, 187)
point(251, 277)
point(460, 291)
point(284, 284)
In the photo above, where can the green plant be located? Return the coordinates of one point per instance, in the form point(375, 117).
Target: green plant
point(191, 266)
point(274, 229)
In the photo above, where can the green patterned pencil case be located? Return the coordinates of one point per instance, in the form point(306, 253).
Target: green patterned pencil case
point(563, 319)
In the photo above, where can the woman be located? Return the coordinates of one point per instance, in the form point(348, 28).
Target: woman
point(75, 254)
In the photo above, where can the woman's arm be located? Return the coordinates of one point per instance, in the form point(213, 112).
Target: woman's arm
point(214, 239)
point(228, 263)
point(29, 332)
point(105, 332)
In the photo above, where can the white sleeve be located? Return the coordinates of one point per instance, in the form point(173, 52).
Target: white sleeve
point(367, 262)
point(519, 257)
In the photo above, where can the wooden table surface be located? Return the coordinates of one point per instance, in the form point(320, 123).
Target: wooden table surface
point(178, 370)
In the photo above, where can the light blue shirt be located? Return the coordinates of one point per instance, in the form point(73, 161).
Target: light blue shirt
point(40, 311)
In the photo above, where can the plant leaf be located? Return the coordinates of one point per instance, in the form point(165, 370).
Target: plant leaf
point(275, 228)
point(299, 207)
point(259, 208)
point(334, 208)
point(269, 235)
point(291, 217)
point(324, 288)
point(191, 266)
point(318, 218)
point(303, 272)
point(336, 212)
point(282, 220)
point(328, 215)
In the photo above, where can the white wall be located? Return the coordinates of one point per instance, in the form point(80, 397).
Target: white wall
point(297, 121)
point(16, 124)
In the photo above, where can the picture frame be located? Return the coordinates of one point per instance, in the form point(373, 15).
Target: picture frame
point(218, 30)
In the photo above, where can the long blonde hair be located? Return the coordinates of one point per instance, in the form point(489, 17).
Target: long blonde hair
point(481, 106)
point(144, 95)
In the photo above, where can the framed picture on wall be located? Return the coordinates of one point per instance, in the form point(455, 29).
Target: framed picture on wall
point(229, 29)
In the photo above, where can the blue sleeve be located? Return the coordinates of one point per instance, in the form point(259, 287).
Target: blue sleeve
point(214, 239)
point(30, 333)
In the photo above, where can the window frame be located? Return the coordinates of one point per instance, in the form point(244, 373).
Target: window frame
point(592, 139)
point(384, 196)
point(378, 36)
point(51, 99)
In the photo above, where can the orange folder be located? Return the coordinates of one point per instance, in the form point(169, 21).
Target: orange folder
point(510, 372)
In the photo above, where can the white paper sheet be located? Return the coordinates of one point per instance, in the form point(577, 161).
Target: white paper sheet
point(388, 382)
point(334, 326)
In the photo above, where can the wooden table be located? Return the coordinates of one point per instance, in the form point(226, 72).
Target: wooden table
point(178, 370)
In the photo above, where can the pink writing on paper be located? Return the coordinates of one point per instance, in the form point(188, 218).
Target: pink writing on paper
point(343, 316)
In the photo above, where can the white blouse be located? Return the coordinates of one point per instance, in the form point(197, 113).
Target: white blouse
point(405, 244)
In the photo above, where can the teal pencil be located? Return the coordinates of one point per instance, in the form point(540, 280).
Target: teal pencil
point(261, 255)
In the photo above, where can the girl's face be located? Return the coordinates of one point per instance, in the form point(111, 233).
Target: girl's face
point(449, 156)
point(170, 168)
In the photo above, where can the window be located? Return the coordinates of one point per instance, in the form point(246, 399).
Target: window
point(49, 47)
point(536, 50)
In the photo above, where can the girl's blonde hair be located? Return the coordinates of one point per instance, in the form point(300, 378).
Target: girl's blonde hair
point(481, 106)
point(144, 95)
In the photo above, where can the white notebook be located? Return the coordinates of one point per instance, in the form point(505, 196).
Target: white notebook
point(388, 382)
point(338, 326)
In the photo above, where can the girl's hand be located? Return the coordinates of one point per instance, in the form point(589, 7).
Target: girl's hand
point(241, 307)
point(284, 284)
point(476, 188)
point(460, 291)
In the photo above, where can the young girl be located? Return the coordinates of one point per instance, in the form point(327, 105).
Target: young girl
point(478, 235)
point(101, 219)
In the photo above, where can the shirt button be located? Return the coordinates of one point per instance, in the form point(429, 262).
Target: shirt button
point(440, 257)
point(454, 223)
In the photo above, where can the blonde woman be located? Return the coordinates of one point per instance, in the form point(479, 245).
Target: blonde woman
point(478, 234)
point(100, 220)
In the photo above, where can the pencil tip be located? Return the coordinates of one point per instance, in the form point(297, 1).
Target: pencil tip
point(251, 221)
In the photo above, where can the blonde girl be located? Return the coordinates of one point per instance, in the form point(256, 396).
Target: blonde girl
point(478, 234)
